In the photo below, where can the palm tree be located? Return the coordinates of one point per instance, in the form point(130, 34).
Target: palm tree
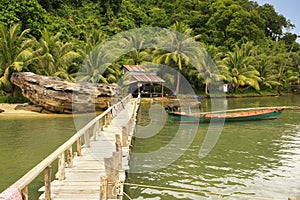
point(210, 73)
point(267, 75)
point(180, 49)
point(98, 67)
point(93, 39)
point(135, 44)
point(55, 57)
point(16, 53)
point(237, 67)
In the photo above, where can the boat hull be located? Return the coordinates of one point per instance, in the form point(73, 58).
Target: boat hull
point(179, 117)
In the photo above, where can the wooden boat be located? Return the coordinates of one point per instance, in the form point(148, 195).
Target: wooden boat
point(245, 114)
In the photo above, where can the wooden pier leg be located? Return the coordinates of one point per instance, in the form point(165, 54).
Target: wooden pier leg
point(95, 130)
point(87, 138)
point(47, 181)
point(79, 153)
point(102, 124)
point(117, 167)
point(117, 163)
point(70, 157)
point(109, 171)
point(118, 144)
point(24, 193)
point(103, 188)
point(61, 167)
point(129, 126)
point(124, 137)
point(108, 162)
point(106, 123)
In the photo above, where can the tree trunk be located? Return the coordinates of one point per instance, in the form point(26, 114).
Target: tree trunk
point(206, 89)
point(178, 83)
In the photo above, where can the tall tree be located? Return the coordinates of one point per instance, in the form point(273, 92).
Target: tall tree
point(181, 49)
point(274, 22)
point(16, 53)
point(238, 67)
point(56, 58)
point(28, 13)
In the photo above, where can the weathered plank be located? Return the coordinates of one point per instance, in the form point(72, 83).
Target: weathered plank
point(84, 171)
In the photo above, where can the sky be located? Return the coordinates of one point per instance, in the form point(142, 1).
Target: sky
point(290, 9)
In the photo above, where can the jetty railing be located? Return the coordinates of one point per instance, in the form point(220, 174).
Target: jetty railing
point(96, 124)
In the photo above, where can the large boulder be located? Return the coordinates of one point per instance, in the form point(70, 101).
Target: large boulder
point(62, 96)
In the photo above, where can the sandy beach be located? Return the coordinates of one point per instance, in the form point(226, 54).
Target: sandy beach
point(10, 109)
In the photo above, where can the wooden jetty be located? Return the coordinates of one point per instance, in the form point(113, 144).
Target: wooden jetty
point(97, 169)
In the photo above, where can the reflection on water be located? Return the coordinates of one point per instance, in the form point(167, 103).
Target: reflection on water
point(251, 160)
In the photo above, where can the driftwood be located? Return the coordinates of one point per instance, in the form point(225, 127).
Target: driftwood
point(62, 96)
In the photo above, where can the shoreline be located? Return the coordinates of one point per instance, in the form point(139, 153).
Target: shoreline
point(9, 108)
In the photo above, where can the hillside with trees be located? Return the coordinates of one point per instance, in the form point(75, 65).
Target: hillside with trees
point(246, 40)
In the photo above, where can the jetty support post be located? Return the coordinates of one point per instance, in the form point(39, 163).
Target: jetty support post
point(79, 152)
point(102, 123)
point(47, 181)
point(112, 167)
point(87, 138)
point(24, 193)
point(106, 123)
point(61, 167)
point(96, 131)
point(124, 137)
point(103, 188)
point(109, 171)
point(118, 143)
point(70, 157)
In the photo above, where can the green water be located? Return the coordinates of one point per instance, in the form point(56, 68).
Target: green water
point(250, 160)
point(25, 140)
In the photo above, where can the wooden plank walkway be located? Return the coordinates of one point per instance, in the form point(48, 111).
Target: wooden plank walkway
point(82, 180)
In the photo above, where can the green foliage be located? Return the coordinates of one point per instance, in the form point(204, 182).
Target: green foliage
point(12, 99)
point(244, 40)
point(16, 54)
point(28, 13)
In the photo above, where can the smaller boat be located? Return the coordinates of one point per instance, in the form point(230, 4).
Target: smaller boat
point(244, 114)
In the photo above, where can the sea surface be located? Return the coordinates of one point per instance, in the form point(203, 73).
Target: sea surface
point(241, 160)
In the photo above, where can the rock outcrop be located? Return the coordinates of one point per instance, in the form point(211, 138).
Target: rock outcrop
point(61, 96)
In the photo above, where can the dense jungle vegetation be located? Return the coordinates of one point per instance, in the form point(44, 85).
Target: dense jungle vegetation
point(251, 45)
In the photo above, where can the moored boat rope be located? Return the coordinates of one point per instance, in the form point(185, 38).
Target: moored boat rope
point(257, 108)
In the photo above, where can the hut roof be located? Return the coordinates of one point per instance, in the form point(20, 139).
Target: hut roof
point(140, 74)
point(134, 68)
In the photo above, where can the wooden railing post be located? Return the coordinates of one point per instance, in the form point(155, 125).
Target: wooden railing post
point(118, 144)
point(117, 163)
point(102, 123)
point(109, 171)
point(47, 181)
point(24, 193)
point(79, 153)
point(109, 183)
point(61, 167)
point(96, 131)
point(124, 137)
point(112, 167)
point(129, 126)
point(87, 138)
point(103, 188)
point(106, 123)
point(108, 163)
point(70, 157)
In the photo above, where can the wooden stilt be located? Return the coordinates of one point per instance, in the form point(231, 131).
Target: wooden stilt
point(47, 181)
